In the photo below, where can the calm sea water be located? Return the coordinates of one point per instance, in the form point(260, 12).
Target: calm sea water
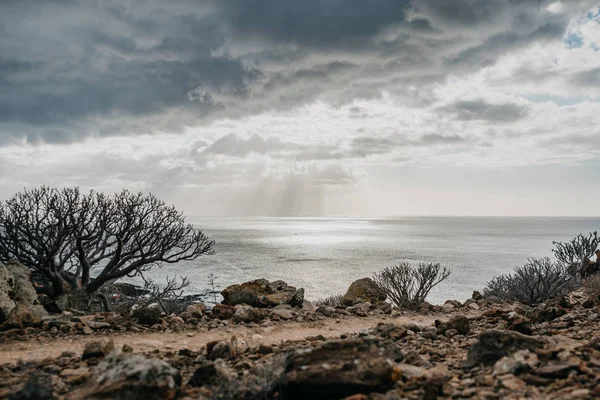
point(324, 255)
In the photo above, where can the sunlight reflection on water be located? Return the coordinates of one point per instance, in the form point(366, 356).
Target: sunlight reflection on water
point(325, 255)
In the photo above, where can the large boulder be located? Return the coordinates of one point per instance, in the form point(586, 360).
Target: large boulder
point(262, 293)
point(15, 288)
point(363, 290)
point(341, 368)
point(129, 376)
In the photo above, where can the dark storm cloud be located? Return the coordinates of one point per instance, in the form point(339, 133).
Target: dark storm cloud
point(481, 110)
point(313, 22)
point(71, 69)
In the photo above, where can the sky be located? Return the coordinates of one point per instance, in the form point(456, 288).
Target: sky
point(307, 108)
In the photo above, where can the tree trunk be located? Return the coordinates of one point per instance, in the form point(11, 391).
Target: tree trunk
point(85, 276)
point(96, 284)
point(58, 285)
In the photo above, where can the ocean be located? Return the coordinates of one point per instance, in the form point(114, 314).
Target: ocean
point(325, 255)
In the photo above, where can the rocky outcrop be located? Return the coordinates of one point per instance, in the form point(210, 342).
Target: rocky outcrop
point(363, 290)
point(264, 294)
point(17, 289)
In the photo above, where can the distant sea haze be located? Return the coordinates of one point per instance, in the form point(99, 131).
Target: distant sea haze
point(324, 255)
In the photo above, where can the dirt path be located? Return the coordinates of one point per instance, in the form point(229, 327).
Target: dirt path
point(38, 349)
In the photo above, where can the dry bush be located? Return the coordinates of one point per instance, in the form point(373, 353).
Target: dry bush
point(535, 282)
point(592, 287)
point(331, 301)
point(408, 287)
point(577, 252)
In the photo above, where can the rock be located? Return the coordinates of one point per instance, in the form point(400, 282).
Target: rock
point(327, 311)
point(425, 308)
point(98, 324)
point(262, 293)
point(245, 313)
point(340, 368)
point(385, 307)
point(147, 316)
point(75, 376)
point(448, 307)
point(22, 317)
point(98, 349)
point(222, 350)
point(127, 349)
point(223, 311)
point(557, 370)
point(360, 309)
point(474, 306)
point(460, 323)
point(363, 290)
point(516, 363)
point(197, 310)
point(477, 296)
point(211, 374)
point(15, 288)
point(545, 313)
point(265, 349)
point(519, 323)
point(409, 371)
point(131, 376)
point(450, 333)
point(513, 383)
point(492, 345)
point(307, 306)
point(282, 313)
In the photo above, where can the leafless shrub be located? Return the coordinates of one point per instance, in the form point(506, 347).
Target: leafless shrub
point(535, 282)
point(169, 296)
point(577, 252)
point(592, 287)
point(408, 287)
point(331, 301)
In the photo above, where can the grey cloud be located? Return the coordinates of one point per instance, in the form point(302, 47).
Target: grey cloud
point(72, 69)
point(434, 138)
point(313, 22)
point(471, 110)
point(365, 146)
point(587, 78)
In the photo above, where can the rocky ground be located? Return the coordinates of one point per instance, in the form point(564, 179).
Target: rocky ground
point(276, 350)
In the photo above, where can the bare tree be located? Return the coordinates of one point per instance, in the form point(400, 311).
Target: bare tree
point(535, 282)
point(66, 236)
point(408, 287)
point(145, 232)
point(35, 230)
